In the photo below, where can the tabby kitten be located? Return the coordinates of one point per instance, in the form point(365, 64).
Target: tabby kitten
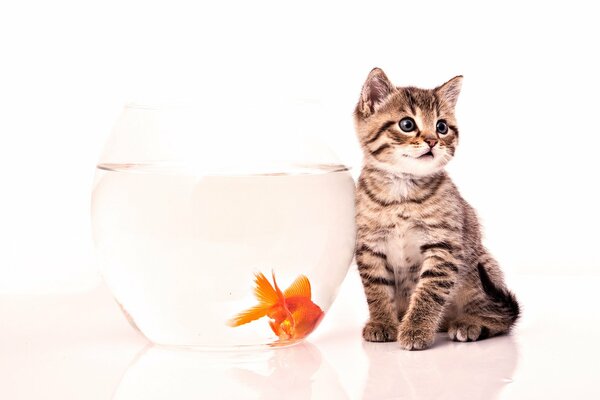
point(419, 250)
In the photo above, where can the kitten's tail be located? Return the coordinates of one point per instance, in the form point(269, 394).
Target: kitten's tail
point(503, 298)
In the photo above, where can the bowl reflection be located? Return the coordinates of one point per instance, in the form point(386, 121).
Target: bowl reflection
point(297, 372)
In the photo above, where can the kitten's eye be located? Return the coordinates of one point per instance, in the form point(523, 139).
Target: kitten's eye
point(441, 127)
point(407, 124)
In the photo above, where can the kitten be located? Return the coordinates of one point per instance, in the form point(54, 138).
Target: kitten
point(419, 251)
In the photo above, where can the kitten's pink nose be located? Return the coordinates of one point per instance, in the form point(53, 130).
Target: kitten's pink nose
point(431, 142)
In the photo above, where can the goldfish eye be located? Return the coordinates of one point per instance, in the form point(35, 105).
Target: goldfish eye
point(441, 127)
point(407, 124)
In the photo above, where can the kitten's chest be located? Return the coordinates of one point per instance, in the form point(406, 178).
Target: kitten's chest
point(402, 246)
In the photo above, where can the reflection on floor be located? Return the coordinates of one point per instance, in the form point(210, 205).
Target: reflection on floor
point(80, 346)
point(299, 372)
point(475, 372)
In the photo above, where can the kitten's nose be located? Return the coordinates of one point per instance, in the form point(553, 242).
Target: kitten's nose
point(431, 142)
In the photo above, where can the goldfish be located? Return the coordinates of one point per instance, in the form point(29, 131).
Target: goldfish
point(292, 314)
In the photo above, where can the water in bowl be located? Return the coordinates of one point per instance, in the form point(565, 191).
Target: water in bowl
point(179, 250)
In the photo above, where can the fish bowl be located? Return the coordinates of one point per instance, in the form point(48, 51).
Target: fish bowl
point(220, 228)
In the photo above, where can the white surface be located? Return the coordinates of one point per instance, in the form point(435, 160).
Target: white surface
point(527, 162)
point(79, 346)
point(527, 112)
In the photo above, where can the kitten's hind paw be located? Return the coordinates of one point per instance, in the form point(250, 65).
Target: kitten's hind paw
point(380, 332)
point(465, 332)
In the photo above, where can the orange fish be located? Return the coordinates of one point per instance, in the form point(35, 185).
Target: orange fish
point(292, 313)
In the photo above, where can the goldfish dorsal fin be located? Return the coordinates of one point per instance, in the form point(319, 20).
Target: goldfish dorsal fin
point(264, 291)
point(299, 288)
point(249, 315)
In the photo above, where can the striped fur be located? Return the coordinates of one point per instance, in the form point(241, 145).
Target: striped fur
point(419, 250)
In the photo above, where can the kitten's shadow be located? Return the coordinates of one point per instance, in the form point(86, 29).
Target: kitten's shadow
point(448, 370)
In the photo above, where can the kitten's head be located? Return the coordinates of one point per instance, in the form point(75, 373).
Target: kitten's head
point(406, 130)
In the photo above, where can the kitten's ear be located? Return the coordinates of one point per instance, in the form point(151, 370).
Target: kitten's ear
point(374, 91)
point(449, 91)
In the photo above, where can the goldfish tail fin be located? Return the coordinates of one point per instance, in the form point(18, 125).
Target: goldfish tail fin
point(264, 291)
point(249, 315)
point(267, 297)
point(299, 288)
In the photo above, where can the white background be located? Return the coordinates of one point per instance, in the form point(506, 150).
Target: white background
point(528, 112)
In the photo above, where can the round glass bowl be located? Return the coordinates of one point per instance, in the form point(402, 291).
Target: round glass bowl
point(219, 229)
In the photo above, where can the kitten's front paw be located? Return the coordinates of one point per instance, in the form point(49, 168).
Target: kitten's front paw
point(413, 338)
point(379, 332)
